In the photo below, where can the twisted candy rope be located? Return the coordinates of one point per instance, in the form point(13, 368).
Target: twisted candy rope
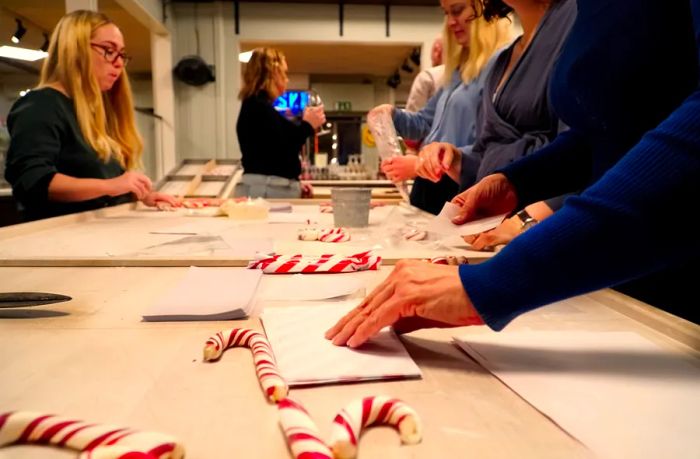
point(274, 386)
point(328, 263)
point(94, 441)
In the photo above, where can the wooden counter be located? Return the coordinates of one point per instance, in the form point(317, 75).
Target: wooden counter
point(94, 358)
point(125, 236)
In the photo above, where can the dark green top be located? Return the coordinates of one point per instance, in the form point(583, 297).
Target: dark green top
point(45, 138)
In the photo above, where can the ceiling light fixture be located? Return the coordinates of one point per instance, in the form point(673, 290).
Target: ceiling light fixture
point(245, 57)
point(24, 54)
point(45, 46)
point(19, 33)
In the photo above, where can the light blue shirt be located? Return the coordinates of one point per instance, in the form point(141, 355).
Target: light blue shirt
point(449, 116)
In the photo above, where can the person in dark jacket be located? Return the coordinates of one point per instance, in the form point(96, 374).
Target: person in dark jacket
point(270, 143)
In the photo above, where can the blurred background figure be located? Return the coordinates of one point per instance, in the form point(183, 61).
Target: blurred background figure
point(270, 143)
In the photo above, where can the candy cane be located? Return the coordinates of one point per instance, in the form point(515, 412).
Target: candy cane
point(274, 386)
point(414, 234)
point(301, 432)
point(95, 441)
point(348, 424)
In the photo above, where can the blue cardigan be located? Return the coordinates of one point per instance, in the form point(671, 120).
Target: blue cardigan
point(449, 116)
point(627, 85)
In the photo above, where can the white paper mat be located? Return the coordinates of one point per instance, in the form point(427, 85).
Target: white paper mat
point(618, 393)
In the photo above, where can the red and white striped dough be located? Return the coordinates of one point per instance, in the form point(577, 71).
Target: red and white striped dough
point(334, 235)
point(301, 432)
point(450, 260)
point(95, 441)
point(328, 263)
point(274, 386)
point(378, 410)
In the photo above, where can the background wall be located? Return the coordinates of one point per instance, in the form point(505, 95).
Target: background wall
point(206, 116)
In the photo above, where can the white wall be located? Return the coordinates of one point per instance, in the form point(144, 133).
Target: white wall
point(206, 116)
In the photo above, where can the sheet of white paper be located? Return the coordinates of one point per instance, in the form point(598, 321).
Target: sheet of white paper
point(305, 357)
point(306, 287)
point(198, 226)
point(208, 294)
point(442, 223)
point(618, 393)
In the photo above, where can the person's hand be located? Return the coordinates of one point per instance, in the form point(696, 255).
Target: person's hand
point(160, 200)
point(437, 158)
point(129, 182)
point(416, 294)
point(400, 168)
point(315, 116)
point(307, 190)
point(492, 195)
point(503, 234)
point(379, 110)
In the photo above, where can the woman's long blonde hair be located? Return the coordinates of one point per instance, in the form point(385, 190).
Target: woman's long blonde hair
point(485, 38)
point(106, 119)
point(261, 71)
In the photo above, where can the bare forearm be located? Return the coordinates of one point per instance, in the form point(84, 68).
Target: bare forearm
point(64, 188)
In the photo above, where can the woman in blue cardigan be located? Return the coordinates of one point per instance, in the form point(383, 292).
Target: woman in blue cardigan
point(632, 100)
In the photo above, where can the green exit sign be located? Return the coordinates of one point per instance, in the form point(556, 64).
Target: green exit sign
point(343, 106)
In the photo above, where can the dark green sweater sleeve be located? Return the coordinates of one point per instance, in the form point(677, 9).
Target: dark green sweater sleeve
point(35, 130)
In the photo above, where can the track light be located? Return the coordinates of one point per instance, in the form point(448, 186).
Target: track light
point(19, 33)
point(45, 46)
point(406, 67)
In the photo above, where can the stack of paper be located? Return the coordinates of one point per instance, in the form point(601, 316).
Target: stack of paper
point(305, 357)
point(208, 294)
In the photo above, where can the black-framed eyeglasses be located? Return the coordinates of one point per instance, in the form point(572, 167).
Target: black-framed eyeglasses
point(111, 55)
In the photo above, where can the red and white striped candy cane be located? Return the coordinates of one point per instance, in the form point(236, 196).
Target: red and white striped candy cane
point(301, 432)
point(361, 413)
point(334, 235)
point(274, 386)
point(95, 441)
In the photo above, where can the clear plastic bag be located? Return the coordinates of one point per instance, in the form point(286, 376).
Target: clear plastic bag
point(382, 127)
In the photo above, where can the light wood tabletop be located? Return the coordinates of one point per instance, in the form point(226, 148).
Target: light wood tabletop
point(95, 359)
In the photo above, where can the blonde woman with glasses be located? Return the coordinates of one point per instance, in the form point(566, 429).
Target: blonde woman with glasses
point(450, 115)
point(73, 140)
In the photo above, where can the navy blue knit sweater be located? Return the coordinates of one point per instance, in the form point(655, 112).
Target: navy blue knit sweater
point(627, 85)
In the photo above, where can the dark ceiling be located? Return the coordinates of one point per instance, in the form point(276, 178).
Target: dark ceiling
point(330, 2)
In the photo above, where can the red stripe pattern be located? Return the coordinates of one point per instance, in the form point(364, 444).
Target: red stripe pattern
point(271, 381)
point(334, 235)
point(301, 432)
point(93, 440)
point(369, 411)
point(283, 264)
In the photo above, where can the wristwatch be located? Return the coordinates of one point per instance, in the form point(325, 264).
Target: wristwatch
point(526, 220)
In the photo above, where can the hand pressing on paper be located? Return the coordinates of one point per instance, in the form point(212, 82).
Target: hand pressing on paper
point(415, 295)
point(400, 168)
point(438, 158)
point(493, 195)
